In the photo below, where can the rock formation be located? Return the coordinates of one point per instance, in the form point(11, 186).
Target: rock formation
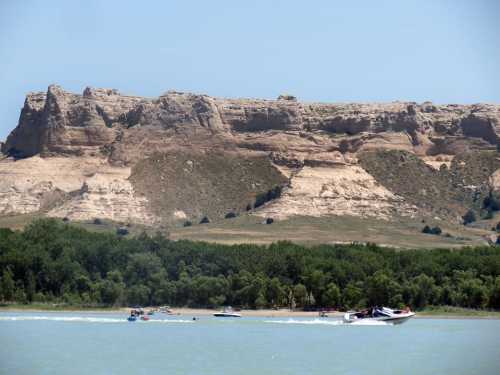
point(75, 156)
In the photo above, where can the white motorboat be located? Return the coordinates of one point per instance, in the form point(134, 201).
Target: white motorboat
point(383, 314)
point(228, 312)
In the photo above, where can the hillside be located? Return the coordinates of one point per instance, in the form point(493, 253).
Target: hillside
point(165, 162)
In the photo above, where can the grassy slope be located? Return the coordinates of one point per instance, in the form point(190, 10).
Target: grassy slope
point(404, 232)
point(448, 193)
point(200, 184)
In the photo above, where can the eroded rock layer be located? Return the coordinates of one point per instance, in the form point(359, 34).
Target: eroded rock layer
point(182, 156)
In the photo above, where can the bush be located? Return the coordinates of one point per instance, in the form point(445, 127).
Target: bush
point(249, 207)
point(230, 215)
point(435, 230)
point(269, 220)
point(204, 220)
point(65, 219)
point(491, 203)
point(271, 194)
point(469, 217)
point(97, 221)
point(187, 223)
point(489, 215)
point(122, 231)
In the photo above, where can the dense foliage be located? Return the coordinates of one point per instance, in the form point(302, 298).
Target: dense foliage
point(56, 262)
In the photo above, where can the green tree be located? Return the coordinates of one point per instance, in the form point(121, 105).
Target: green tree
point(300, 295)
point(332, 295)
point(138, 295)
point(8, 286)
point(275, 292)
point(30, 286)
point(495, 294)
point(352, 296)
point(381, 288)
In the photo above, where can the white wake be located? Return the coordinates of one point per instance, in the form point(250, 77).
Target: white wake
point(328, 322)
point(89, 319)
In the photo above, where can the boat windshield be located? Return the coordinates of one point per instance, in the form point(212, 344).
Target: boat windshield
point(379, 313)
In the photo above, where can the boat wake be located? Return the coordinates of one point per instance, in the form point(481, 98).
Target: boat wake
point(328, 322)
point(89, 319)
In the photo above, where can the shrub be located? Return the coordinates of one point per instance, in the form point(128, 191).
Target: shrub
point(230, 215)
point(65, 219)
point(249, 207)
point(269, 220)
point(204, 220)
point(469, 217)
point(97, 221)
point(122, 231)
point(489, 215)
point(435, 230)
point(187, 223)
point(491, 203)
point(271, 194)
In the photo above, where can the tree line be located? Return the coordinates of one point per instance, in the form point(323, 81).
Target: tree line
point(55, 262)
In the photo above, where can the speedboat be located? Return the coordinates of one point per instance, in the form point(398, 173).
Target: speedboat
point(227, 313)
point(132, 318)
point(145, 317)
point(383, 314)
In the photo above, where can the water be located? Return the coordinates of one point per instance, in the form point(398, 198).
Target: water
point(79, 343)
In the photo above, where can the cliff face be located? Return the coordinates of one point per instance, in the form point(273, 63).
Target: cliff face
point(320, 150)
point(65, 123)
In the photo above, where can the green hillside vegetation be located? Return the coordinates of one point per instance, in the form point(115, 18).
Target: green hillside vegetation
point(55, 262)
point(200, 185)
point(447, 192)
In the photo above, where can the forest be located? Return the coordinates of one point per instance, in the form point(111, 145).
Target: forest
point(56, 262)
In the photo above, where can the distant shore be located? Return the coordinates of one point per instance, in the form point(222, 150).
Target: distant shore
point(434, 313)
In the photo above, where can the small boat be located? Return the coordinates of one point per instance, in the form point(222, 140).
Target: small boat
point(322, 314)
point(227, 313)
point(145, 317)
point(165, 310)
point(132, 318)
point(151, 312)
point(383, 314)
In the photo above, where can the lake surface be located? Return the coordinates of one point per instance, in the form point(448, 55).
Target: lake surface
point(80, 343)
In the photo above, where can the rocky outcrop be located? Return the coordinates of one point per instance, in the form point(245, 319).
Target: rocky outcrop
point(81, 156)
point(337, 190)
point(65, 123)
point(80, 188)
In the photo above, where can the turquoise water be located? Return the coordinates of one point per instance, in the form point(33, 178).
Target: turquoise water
point(78, 343)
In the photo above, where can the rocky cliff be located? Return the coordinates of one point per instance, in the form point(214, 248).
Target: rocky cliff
point(182, 156)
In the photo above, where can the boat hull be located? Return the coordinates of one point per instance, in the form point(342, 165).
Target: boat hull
point(227, 315)
point(395, 319)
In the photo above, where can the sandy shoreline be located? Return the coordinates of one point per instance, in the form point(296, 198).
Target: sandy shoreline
point(266, 313)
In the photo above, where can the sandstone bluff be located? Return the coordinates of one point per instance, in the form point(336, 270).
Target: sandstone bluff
point(181, 156)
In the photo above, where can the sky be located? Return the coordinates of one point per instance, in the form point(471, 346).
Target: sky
point(446, 51)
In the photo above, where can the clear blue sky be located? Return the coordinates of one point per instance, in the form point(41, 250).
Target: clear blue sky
point(439, 50)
